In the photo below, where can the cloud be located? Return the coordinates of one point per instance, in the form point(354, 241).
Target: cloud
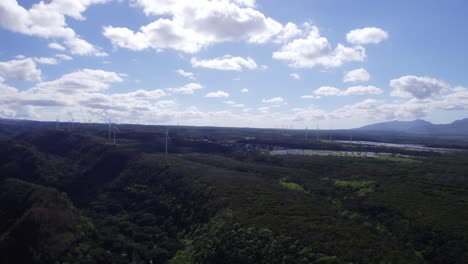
point(357, 75)
point(190, 26)
point(274, 100)
point(217, 94)
point(371, 109)
point(315, 50)
point(47, 20)
point(295, 76)
point(456, 100)
point(244, 90)
point(368, 35)
point(225, 63)
point(187, 89)
point(307, 115)
point(82, 47)
point(417, 87)
point(45, 60)
point(354, 90)
point(234, 104)
point(56, 46)
point(183, 73)
point(85, 80)
point(290, 30)
point(64, 57)
point(23, 70)
point(310, 97)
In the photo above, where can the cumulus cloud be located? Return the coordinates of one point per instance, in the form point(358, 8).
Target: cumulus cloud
point(290, 30)
point(190, 26)
point(56, 46)
point(371, 109)
point(368, 35)
point(295, 76)
point(64, 57)
point(23, 70)
point(274, 100)
point(82, 47)
point(187, 89)
point(217, 94)
point(234, 104)
point(45, 60)
point(354, 90)
point(86, 80)
point(456, 100)
point(225, 63)
point(310, 97)
point(417, 87)
point(315, 50)
point(357, 75)
point(47, 20)
point(185, 74)
point(244, 90)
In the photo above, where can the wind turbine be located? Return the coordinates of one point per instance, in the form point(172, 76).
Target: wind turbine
point(316, 133)
point(306, 133)
point(116, 129)
point(167, 138)
point(110, 126)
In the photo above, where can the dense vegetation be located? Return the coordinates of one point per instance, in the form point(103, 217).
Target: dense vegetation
point(68, 196)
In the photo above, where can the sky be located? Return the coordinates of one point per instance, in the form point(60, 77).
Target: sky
point(243, 63)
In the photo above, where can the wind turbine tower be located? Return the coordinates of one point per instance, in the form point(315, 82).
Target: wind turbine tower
point(116, 129)
point(167, 138)
point(110, 125)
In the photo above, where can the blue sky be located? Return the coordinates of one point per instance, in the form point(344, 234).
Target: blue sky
point(331, 63)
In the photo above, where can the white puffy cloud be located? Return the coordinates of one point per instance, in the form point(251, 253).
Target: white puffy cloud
point(244, 90)
point(225, 63)
point(327, 91)
point(417, 87)
point(190, 26)
point(368, 35)
point(310, 97)
point(45, 60)
point(82, 47)
point(183, 73)
point(64, 57)
point(186, 89)
point(217, 94)
point(359, 90)
point(456, 100)
point(86, 80)
point(354, 90)
point(47, 20)
point(315, 50)
point(295, 76)
point(56, 46)
point(290, 30)
point(274, 100)
point(377, 110)
point(357, 75)
point(234, 104)
point(307, 115)
point(23, 70)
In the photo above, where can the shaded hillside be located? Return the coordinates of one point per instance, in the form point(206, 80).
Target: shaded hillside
point(71, 197)
point(456, 128)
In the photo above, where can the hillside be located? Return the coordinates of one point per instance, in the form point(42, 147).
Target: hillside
point(68, 196)
point(456, 128)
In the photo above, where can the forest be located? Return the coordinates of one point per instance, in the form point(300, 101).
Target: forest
point(68, 194)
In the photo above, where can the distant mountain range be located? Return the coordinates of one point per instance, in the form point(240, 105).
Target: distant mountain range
point(456, 128)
